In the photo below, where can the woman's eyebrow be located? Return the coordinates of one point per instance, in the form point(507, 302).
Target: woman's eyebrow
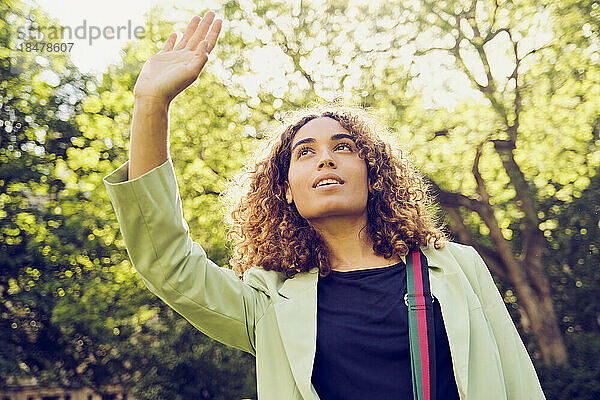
point(336, 136)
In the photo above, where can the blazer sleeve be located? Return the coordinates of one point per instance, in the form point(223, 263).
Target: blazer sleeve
point(175, 268)
point(520, 377)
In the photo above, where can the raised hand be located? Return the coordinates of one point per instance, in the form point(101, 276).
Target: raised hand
point(175, 67)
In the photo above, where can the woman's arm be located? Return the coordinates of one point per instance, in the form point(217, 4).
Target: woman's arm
point(149, 145)
point(174, 267)
point(520, 376)
point(145, 196)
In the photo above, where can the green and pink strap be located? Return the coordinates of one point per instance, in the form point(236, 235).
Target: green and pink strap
point(420, 326)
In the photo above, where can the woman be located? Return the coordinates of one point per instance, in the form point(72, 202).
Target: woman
point(320, 230)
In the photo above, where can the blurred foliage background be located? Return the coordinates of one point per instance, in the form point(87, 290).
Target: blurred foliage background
point(514, 166)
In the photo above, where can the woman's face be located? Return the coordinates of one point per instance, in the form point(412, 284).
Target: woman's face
point(323, 146)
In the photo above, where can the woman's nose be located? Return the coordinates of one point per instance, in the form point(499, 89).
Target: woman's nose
point(327, 161)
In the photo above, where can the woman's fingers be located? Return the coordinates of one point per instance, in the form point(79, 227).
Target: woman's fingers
point(209, 42)
point(213, 35)
point(195, 33)
point(169, 43)
point(201, 31)
point(189, 31)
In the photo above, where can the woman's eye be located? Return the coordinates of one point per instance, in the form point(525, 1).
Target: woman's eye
point(303, 149)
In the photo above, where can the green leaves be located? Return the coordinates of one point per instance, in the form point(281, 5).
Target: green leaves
point(67, 291)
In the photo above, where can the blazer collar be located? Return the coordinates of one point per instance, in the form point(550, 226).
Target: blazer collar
point(297, 319)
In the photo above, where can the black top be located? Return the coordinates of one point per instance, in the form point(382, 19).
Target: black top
point(363, 349)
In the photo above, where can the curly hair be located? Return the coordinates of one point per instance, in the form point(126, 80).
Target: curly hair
point(268, 232)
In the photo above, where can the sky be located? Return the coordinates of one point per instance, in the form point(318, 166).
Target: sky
point(96, 57)
point(438, 86)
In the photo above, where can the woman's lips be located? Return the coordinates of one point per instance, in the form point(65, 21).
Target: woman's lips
point(329, 186)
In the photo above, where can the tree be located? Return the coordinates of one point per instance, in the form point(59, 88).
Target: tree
point(39, 244)
point(572, 267)
point(507, 181)
point(160, 355)
point(492, 161)
point(73, 310)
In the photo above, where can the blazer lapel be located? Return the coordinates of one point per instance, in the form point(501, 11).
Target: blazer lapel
point(297, 319)
point(447, 288)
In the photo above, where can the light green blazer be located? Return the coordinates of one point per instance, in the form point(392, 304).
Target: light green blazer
point(275, 319)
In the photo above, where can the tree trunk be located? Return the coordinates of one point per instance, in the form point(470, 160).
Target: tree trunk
point(523, 273)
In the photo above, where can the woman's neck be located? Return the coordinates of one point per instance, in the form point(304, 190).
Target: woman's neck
point(349, 244)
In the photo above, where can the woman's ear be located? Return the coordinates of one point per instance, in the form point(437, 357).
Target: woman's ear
point(288, 193)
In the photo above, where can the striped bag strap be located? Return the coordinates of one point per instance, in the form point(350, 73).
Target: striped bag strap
point(420, 326)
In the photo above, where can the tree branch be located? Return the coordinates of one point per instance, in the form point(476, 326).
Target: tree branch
point(478, 43)
point(481, 188)
point(423, 52)
point(490, 35)
point(486, 212)
point(295, 57)
point(524, 193)
point(490, 255)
